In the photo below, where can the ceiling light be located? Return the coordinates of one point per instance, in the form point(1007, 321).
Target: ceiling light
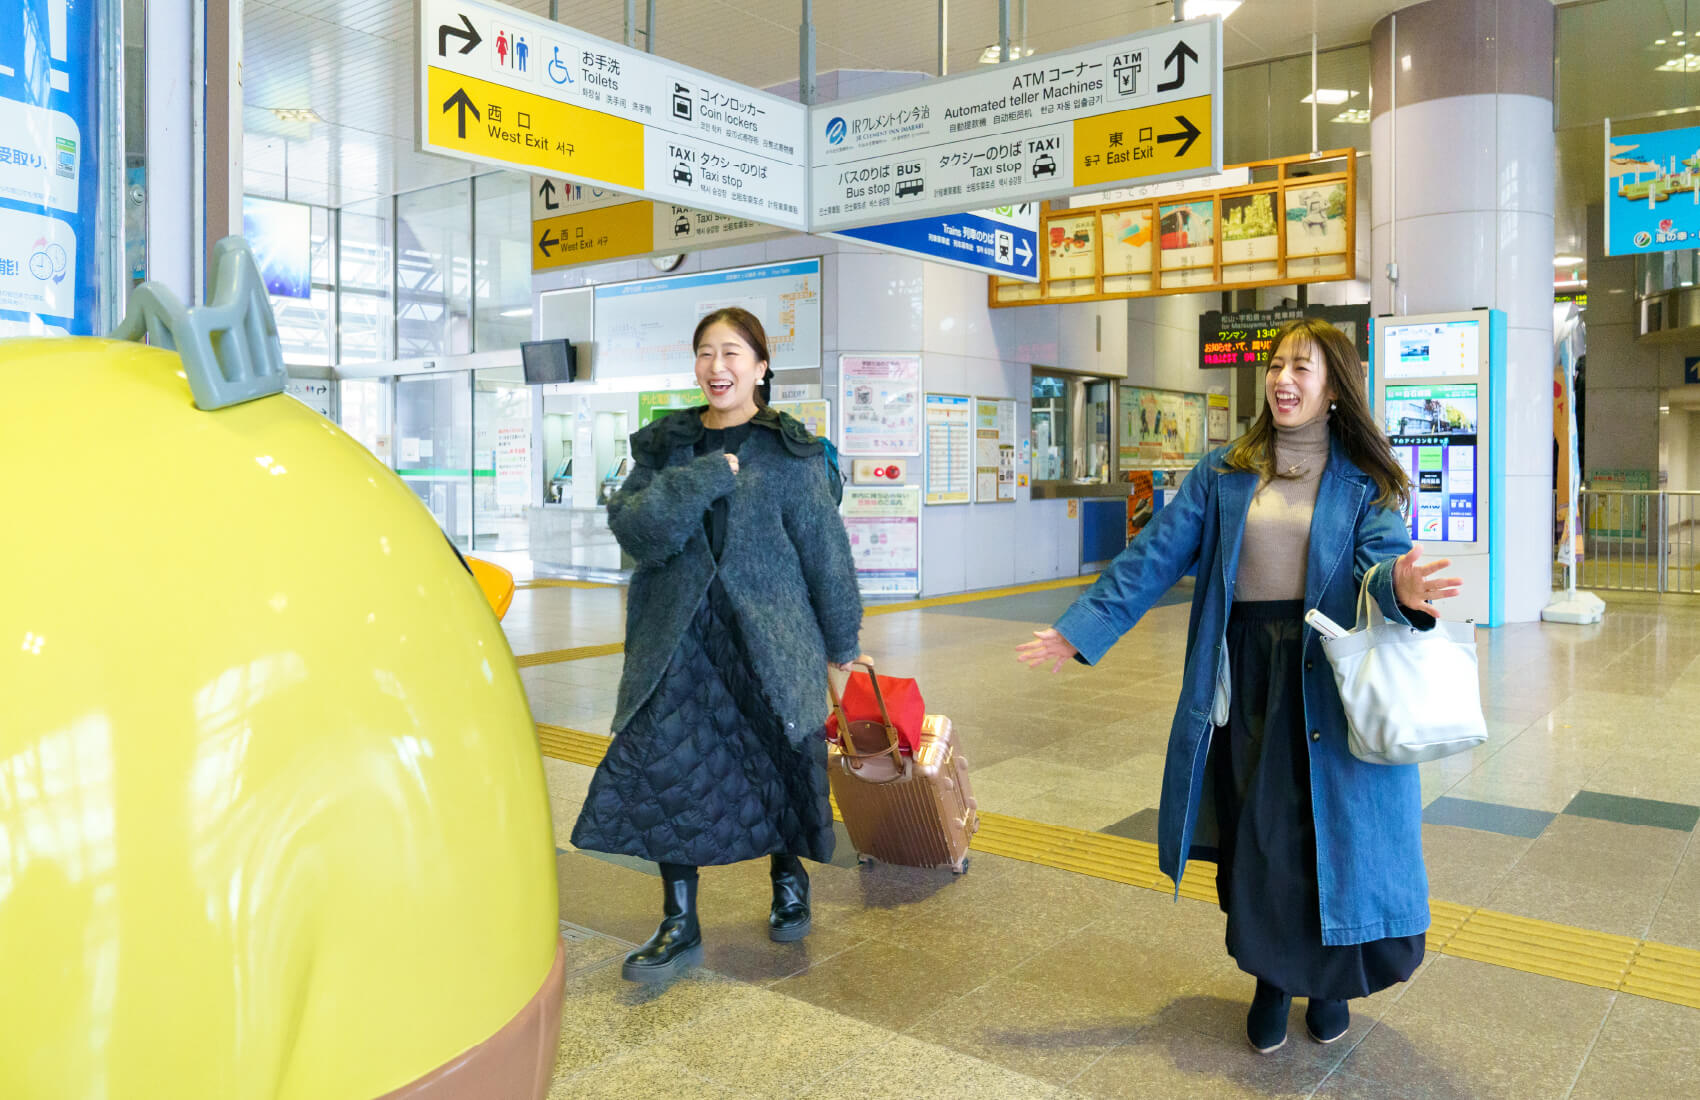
point(1333, 97)
point(1664, 408)
point(526, 312)
point(1567, 261)
point(1203, 9)
point(296, 114)
point(1354, 116)
point(989, 55)
point(1689, 63)
point(1658, 42)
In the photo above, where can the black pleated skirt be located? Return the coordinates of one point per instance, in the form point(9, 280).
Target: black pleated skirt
point(1266, 868)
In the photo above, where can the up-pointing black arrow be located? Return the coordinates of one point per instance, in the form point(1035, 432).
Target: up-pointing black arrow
point(469, 35)
point(547, 241)
point(1178, 58)
point(547, 193)
point(464, 102)
point(1187, 135)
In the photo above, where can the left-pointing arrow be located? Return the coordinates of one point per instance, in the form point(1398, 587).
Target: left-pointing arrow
point(470, 35)
point(464, 102)
point(547, 241)
point(1187, 134)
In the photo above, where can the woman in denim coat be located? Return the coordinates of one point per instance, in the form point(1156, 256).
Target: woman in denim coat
point(1319, 855)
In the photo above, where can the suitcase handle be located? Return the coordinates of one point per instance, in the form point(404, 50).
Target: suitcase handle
point(845, 744)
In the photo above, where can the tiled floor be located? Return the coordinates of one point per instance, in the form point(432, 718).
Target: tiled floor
point(1019, 980)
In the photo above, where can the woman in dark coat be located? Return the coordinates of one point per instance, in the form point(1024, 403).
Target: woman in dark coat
point(1319, 854)
point(744, 591)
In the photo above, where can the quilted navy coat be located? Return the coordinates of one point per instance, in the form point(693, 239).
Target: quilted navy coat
point(725, 673)
point(1368, 816)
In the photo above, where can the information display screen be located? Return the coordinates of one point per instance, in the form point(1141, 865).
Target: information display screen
point(1433, 432)
point(1446, 348)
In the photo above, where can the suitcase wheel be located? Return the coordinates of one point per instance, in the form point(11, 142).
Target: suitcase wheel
point(961, 868)
point(865, 860)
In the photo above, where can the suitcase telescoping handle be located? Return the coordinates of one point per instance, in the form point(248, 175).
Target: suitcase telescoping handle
point(847, 745)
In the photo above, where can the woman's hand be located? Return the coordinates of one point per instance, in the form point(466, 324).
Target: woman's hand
point(732, 461)
point(1049, 646)
point(849, 666)
point(1416, 586)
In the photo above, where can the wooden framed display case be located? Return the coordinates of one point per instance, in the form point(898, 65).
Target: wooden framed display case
point(1293, 222)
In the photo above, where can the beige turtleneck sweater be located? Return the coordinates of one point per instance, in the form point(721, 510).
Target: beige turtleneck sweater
point(1277, 528)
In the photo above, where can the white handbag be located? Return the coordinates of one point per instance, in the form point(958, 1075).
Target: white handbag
point(1410, 695)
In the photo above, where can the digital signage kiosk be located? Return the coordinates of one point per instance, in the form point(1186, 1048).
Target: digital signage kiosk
point(1439, 389)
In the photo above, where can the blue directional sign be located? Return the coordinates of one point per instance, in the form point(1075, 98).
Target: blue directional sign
point(1003, 241)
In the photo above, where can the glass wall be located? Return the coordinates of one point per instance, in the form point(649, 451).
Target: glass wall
point(365, 405)
point(1271, 110)
point(433, 259)
point(306, 327)
point(502, 267)
point(433, 448)
point(501, 470)
point(366, 275)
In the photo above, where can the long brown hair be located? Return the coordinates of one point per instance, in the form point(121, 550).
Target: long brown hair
point(745, 324)
point(1350, 422)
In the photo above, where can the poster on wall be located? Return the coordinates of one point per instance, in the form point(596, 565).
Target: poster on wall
point(1071, 254)
point(1186, 235)
point(1127, 249)
point(50, 133)
point(950, 449)
point(1251, 238)
point(815, 415)
point(281, 236)
point(1652, 191)
point(884, 525)
point(879, 407)
point(645, 327)
point(1316, 230)
point(1217, 418)
point(513, 465)
point(994, 449)
point(1160, 426)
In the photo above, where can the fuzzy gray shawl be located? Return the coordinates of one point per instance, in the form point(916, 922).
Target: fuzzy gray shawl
point(786, 565)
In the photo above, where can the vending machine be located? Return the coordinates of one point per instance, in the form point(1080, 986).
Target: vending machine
point(1438, 384)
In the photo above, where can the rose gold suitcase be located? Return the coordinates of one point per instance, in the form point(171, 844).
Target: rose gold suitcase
point(917, 811)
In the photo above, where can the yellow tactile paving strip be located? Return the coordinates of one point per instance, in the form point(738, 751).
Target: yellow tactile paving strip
point(1659, 971)
point(562, 582)
point(557, 656)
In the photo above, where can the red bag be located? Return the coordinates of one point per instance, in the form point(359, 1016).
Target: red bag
point(877, 712)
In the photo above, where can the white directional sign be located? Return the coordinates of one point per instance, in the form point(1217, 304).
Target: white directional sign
point(512, 89)
point(1141, 109)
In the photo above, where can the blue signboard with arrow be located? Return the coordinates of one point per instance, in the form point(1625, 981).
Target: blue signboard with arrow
point(1003, 241)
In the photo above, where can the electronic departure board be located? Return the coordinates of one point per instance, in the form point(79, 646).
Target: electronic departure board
point(1245, 339)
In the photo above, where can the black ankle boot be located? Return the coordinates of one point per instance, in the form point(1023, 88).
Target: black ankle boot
point(1266, 1023)
point(789, 919)
point(1327, 1020)
point(677, 943)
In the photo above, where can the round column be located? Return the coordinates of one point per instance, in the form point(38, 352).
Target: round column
point(1461, 138)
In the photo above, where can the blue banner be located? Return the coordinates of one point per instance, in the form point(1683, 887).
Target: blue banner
point(49, 166)
point(1652, 191)
point(971, 239)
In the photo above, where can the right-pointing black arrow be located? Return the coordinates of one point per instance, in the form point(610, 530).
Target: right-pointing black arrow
point(1187, 134)
point(547, 241)
point(547, 194)
point(470, 35)
point(1178, 58)
point(464, 102)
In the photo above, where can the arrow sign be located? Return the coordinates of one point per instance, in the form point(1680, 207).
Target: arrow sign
point(1024, 252)
point(547, 193)
point(547, 241)
point(464, 102)
point(470, 35)
point(1187, 135)
point(1178, 58)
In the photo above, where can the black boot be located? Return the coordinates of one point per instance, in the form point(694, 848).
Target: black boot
point(1266, 1023)
point(1327, 1020)
point(677, 943)
point(789, 919)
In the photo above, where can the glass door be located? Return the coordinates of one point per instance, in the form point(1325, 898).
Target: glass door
point(501, 472)
point(433, 447)
point(365, 407)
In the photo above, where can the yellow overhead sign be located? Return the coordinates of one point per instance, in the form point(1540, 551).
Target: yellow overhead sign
point(607, 233)
point(476, 118)
point(1145, 141)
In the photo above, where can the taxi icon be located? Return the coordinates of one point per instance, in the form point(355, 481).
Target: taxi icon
point(682, 174)
point(1044, 165)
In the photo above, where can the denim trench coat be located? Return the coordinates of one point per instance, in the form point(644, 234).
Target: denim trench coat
point(1368, 816)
